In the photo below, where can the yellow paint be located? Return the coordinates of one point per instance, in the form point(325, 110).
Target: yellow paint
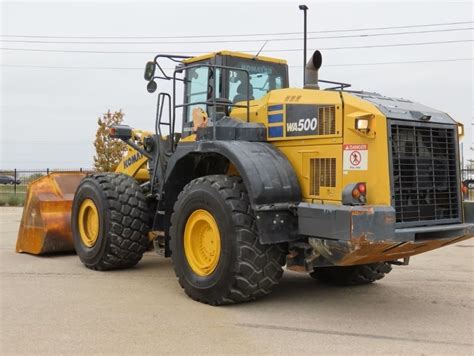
point(202, 242)
point(233, 54)
point(190, 138)
point(301, 149)
point(138, 166)
point(88, 221)
point(377, 175)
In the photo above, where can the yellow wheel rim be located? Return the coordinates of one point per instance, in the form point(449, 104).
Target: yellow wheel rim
point(88, 222)
point(202, 242)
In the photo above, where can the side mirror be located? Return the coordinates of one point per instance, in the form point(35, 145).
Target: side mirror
point(149, 70)
point(122, 132)
point(151, 86)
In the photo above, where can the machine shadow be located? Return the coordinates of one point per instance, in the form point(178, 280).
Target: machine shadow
point(299, 293)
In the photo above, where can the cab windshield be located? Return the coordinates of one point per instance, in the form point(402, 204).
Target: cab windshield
point(231, 84)
point(264, 76)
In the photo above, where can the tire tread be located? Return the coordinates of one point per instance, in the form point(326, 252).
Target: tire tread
point(129, 222)
point(259, 267)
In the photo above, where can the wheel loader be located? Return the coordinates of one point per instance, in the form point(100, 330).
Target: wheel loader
point(246, 176)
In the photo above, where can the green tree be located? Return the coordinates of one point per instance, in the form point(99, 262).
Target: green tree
point(109, 151)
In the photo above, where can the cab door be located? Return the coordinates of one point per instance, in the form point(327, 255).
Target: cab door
point(196, 93)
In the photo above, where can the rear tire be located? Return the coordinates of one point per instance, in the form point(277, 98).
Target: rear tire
point(245, 269)
point(123, 222)
point(352, 275)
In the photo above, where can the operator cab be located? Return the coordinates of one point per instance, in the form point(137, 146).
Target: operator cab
point(214, 83)
point(238, 77)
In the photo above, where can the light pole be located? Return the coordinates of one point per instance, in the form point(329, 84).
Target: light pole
point(305, 9)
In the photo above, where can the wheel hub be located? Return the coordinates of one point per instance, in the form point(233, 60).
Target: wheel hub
point(88, 222)
point(202, 242)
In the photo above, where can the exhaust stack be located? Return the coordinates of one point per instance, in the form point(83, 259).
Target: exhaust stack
point(311, 71)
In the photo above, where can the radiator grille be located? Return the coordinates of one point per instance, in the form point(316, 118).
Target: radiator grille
point(327, 120)
point(322, 173)
point(425, 180)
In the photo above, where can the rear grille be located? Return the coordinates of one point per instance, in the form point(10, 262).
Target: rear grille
point(327, 120)
point(322, 173)
point(425, 176)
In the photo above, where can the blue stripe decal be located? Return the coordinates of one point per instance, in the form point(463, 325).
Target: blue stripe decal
point(275, 107)
point(275, 118)
point(275, 131)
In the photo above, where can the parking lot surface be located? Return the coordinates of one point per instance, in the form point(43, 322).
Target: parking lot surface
point(55, 305)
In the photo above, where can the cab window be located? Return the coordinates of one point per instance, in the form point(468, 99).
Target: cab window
point(264, 77)
point(197, 89)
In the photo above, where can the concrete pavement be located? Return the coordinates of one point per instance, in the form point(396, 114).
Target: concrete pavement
point(54, 305)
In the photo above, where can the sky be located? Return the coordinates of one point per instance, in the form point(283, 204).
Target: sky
point(50, 101)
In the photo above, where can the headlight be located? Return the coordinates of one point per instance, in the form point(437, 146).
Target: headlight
point(362, 124)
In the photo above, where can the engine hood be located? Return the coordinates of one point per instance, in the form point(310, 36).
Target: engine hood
point(403, 109)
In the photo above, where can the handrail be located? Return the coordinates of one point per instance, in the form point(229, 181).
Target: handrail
point(340, 85)
point(159, 112)
point(172, 57)
point(211, 102)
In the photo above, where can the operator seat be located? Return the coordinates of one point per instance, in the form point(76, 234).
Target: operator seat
point(242, 93)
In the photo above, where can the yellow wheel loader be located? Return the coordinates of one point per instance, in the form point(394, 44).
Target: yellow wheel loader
point(336, 183)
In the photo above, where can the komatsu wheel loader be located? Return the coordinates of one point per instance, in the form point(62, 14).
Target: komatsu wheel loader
point(339, 184)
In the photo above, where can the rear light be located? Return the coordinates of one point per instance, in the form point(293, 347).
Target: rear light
point(354, 194)
point(464, 190)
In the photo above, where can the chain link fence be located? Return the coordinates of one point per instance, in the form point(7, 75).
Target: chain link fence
point(13, 183)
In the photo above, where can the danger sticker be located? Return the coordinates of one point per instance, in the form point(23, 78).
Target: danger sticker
point(356, 157)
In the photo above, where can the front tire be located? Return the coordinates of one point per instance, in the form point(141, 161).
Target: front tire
point(109, 221)
point(352, 275)
point(212, 217)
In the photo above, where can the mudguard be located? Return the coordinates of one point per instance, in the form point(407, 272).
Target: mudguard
point(270, 180)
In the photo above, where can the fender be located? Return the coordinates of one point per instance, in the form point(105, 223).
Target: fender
point(270, 180)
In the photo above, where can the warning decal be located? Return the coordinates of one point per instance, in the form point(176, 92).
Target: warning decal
point(356, 157)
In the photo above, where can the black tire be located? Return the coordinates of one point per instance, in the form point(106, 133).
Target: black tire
point(123, 221)
point(352, 275)
point(246, 269)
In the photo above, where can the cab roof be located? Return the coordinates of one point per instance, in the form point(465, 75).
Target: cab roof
point(233, 54)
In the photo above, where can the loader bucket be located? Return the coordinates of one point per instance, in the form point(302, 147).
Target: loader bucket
point(46, 222)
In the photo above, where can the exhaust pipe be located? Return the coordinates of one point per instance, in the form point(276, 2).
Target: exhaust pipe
point(311, 71)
